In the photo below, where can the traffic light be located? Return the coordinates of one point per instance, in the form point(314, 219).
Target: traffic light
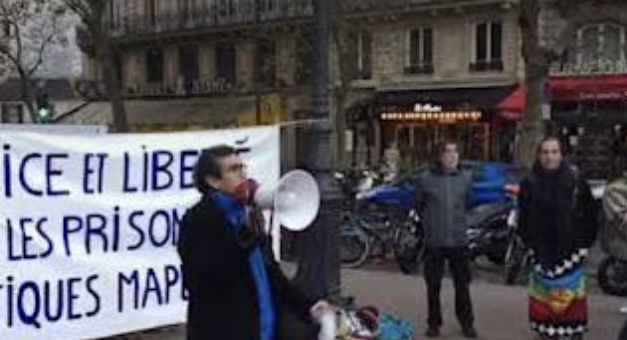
point(44, 109)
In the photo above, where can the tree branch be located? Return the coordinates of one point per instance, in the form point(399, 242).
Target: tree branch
point(42, 48)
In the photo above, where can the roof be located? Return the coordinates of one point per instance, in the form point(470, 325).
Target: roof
point(58, 89)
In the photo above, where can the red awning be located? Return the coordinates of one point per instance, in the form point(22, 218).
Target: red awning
point(513, 105)
point(582, 88)
point(569, 89)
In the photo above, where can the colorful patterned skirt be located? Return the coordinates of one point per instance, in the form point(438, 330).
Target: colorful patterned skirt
point(558, 305)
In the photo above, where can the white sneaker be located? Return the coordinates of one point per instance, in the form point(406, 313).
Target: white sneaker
point(623, 309)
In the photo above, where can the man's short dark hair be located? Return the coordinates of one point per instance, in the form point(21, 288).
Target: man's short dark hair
point(440, 148)
point(208, 165)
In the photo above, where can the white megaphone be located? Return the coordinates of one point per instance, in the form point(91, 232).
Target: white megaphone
point(294, 202)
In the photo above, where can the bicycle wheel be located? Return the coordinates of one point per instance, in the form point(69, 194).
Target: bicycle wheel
point(354, 245)
point(515, 258)
point(408, 248)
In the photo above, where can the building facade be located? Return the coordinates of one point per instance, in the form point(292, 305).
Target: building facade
point(585, 98)
point(419, 72)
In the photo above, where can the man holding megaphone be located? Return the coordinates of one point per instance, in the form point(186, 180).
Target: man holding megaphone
point(236, 288)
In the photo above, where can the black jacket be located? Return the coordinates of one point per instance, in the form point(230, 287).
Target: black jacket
point(558, 214)
point(216, 273)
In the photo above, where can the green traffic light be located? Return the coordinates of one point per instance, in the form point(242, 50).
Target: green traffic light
point(44, 114)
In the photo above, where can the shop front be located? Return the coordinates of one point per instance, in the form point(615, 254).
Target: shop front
point(589, 112)
point(414, 122)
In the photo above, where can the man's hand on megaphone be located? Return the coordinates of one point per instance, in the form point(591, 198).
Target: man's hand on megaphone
point(256, 222)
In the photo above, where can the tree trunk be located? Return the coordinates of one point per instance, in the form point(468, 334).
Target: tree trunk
point(537, 65)
point(113, 87)
point(532, 129)
point(26, 89)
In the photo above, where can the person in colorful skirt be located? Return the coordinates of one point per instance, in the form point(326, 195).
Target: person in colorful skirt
point(558, 223)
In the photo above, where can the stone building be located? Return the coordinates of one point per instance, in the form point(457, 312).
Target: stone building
point(420, 71)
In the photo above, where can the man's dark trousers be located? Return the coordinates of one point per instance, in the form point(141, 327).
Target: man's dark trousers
point(435, 260)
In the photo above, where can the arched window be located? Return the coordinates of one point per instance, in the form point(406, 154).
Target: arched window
point(601, 44)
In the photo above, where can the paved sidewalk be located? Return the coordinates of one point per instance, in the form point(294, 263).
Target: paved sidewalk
point(500, 310)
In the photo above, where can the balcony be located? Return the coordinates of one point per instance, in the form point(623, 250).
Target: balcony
point(422, 68)
point(228, 14)
point(487, 66)
point(598, 66)
point(179, 89)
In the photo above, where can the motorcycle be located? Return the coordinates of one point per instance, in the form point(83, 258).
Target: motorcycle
point(489, 231)
point(612, 276)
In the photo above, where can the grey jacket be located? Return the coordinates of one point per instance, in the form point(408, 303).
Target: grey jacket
point(442, 199)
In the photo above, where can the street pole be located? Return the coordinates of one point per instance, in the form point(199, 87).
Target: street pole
point(319, 266)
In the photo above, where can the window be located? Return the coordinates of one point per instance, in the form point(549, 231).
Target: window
point(154, 65)
point(188, 66)
point(360, 50)
point(419, 56)
point(187, 9)
point(304, 57)
point(151, 12)
point(114, 13)
point(226, 63)
point(11, 113)
point(6, 29)
point(488, 38)
point(226, 8)
point(265, 63)
point(119, 66)
point(601, 44)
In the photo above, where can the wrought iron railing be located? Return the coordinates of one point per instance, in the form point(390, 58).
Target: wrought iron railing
point(216, 14)
point(180, 88)
point(228, 13)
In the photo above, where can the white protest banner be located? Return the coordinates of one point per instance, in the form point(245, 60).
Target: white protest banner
point(89, 224)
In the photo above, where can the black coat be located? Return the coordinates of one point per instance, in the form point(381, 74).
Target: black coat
point(558, 214)
point(216, 273)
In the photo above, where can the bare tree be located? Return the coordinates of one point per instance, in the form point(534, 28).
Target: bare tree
point(548, 28)
point(31, 28)
point(93, 14)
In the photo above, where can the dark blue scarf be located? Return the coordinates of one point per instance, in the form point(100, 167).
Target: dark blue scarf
point(236, 214)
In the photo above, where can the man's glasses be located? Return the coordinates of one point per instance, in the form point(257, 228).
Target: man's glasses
point(237, 168)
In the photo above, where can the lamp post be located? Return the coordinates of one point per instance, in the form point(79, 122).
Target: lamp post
point(318, 270)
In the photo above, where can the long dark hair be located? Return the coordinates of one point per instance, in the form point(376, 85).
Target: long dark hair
point(556, 139)
point(565, 162)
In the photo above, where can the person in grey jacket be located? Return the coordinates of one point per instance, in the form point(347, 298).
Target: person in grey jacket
point(443, 193)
